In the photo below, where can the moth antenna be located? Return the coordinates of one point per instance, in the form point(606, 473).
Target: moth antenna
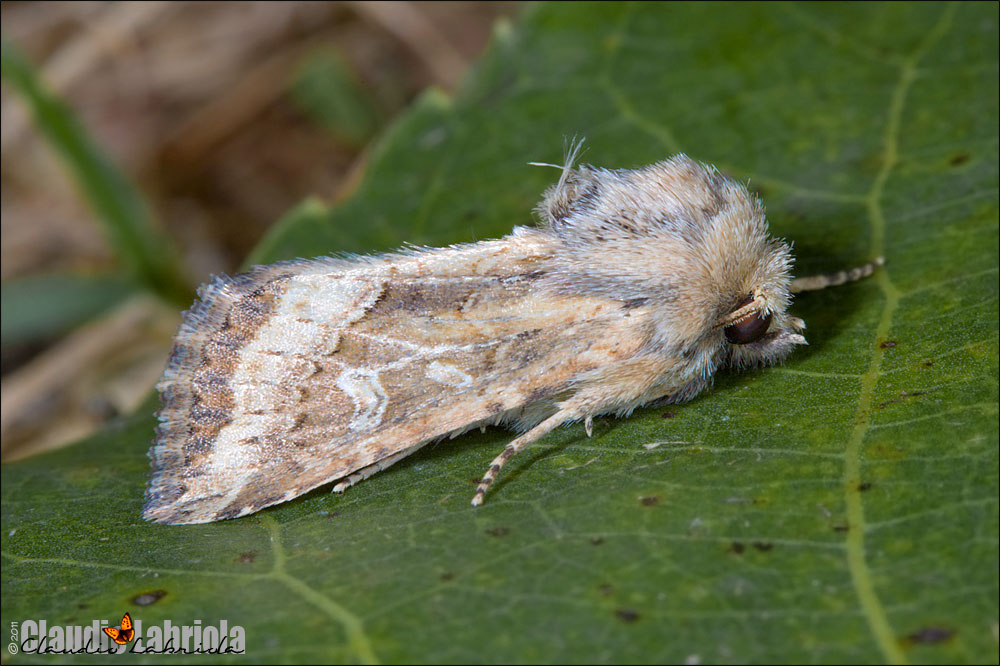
point(573, 148)
point(816, 282)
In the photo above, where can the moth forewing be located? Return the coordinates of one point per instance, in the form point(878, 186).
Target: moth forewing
point(401, 350)
point(637, 285)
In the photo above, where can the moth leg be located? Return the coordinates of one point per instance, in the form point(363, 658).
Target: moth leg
point(365, 472)
point(630, 382)
point(518, 445)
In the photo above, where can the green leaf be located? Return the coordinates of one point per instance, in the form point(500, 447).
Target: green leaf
point(46, 306)
point(842, 508)
point(328, 91)
point(119, 207)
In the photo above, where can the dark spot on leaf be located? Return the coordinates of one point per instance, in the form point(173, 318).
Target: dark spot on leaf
point(928, 364)
point(841, 527)
point(83, 606)
point(247, 557)
point(931, 635)
point(652, 500)
point(763, 546)
point(903, 395)
point(596, 541)
point(332, 514)
point(888, 344)
point(863, 487)
point(736, 547)
point(447, 575)
point(148, 598)
point(667, 415)
point(627, 615)
point(959, 158)
point(498, 531)
point(606, 589)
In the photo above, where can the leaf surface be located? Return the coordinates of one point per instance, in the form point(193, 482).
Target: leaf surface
point(842, 508)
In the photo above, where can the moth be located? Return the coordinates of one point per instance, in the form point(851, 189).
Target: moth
point(638, 285)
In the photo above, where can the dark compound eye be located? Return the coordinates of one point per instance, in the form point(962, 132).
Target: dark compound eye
point(748, 330)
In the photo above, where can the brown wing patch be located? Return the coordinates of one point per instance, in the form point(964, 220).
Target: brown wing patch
point(287, 384)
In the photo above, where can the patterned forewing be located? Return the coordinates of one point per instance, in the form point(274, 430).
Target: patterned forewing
point(303, 379)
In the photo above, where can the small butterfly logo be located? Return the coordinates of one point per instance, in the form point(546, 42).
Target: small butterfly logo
point(121, 634)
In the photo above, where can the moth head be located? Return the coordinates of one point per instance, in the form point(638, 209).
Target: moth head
point(686, 241)
point(758, 331)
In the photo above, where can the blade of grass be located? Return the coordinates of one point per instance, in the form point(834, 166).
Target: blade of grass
point(143, 251)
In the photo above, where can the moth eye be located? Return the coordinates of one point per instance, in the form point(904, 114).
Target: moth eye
point(748, 330)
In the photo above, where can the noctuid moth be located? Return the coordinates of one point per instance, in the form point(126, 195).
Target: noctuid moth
point(637, 285)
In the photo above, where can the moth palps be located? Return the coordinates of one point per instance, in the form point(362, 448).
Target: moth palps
point(637, 285)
